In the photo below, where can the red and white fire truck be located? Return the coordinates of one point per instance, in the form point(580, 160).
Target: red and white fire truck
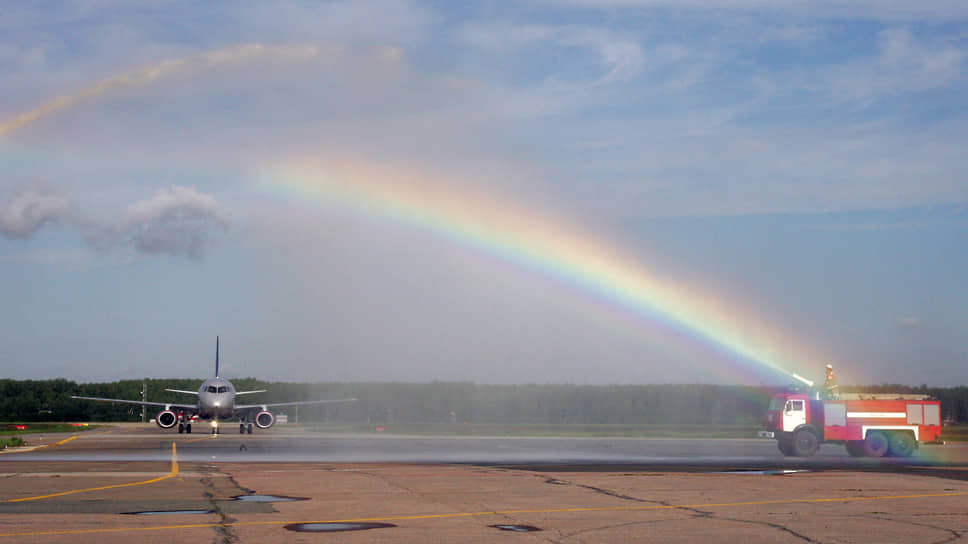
point(872, 425)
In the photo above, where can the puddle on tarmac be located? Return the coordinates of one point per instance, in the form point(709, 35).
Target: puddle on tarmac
point(169, 512)
point(242, 498)
point(516, 528)
point(268, 498)
point(334, 527)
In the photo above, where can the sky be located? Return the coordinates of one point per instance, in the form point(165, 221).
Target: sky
point(569, 191)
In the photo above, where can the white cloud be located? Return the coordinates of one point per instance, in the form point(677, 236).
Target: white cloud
point(31, 208)
point(175, 221)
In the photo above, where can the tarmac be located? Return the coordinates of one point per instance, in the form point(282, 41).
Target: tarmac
point(138, 483)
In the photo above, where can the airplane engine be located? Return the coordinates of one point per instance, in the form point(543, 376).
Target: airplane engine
point(166, 419)
point(264, 419)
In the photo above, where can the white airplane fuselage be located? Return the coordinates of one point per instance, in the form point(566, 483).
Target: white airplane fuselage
point(216, 399)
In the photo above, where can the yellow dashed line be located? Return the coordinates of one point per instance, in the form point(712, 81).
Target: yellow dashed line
point(174, 472)
point(66, 440)
point(109, 431)
point(56, 443)
point(488, 513)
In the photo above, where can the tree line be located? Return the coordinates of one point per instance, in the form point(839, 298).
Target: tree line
point(442, 402)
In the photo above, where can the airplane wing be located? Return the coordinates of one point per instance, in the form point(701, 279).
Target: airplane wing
point(181, 391)
point(296, 403)
point(250, 392)
point(141, 403)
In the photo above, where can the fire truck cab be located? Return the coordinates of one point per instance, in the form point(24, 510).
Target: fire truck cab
point(872, 425)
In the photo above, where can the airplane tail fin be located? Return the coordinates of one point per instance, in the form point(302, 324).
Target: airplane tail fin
point(216, 356)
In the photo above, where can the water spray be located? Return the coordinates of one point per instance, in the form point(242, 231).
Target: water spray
point(800, 378)
point(162, 69)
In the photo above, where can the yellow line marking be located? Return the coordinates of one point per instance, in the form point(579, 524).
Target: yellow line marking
point(107, 431)
point(57, 443)
point(489, 513)
point(173, 473)
point(64, 441)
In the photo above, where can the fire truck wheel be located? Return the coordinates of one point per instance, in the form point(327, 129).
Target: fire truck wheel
point(786, 447)
point(805, 443)
point(875, 444)
point(855, 448)
point(901, 444)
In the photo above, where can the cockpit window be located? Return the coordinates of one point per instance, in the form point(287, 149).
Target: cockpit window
point(212, 389)
point(223, 389)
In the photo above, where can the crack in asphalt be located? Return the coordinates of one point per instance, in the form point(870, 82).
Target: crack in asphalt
point(778, 526)
point(389, 481)
point(698, 513)
point(567, 537)
point(224, 533)
point(955, 535)
point(412, 492)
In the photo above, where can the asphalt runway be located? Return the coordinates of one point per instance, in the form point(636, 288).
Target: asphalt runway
point(144, 484)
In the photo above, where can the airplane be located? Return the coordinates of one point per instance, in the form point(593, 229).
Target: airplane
point(216, 402)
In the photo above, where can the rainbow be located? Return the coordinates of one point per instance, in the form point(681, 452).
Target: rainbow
point(499, 227)
point(551, 248)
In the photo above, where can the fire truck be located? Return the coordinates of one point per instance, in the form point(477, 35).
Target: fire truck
point(872, 425)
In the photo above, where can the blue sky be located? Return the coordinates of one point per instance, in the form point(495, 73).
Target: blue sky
point(807, 159)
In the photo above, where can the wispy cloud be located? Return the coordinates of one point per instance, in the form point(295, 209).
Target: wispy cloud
point(929, 10)
point(902, 64)
point(620, 56)
point(790, 33)
point(908, 321)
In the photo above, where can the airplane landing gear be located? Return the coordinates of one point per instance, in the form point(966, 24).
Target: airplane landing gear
point(241, 428)
point(188, 428)
point(249, 428)
point(181, 428)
